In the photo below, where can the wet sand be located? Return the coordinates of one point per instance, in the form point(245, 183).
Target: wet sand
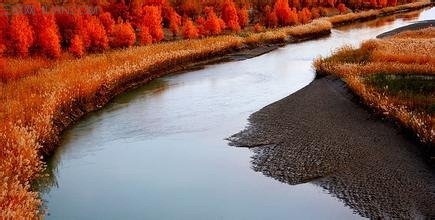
point(321, 134)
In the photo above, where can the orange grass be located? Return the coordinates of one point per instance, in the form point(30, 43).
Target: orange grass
point(354, 16)
point(401, 54)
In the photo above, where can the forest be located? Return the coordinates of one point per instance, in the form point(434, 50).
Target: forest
point(124, 23)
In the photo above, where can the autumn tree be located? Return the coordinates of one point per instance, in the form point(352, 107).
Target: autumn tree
point(77, 48)
point(107, 21)
point(152, 20)
point(21, 33)
point(243, 15)
point(174, 21)
point(382, 3)
point(285, 15)
point(4, 26)
point(341, 7)
point(229, 15)
point(191, 8)
point(392, 2)
point(271, 20)
point(189, 30)
point(304, 15)
point(46, 33)
point(122, 35)
point(331, 3)
point(144, 36)
point(97, 36)
point(212, 25)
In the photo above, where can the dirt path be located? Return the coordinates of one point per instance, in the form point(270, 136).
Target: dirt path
point(321, 134)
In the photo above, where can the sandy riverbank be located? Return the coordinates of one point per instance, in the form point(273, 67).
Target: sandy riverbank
point(322, 134)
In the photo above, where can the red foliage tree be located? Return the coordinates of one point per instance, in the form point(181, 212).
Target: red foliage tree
point(21, 33)
point(271, 20)
point(98, 40)
point(191, 8)
point(229, 15)
point(47, 39)
point(382, 3)
point(258, 27)
point(243, 15)
point(107, 21)
point(315, 13)
point(304, 15)
point(373, 3)
point(4, 26)
point(190, 31)
point(144, 36)
point(285, 15)
point(212, 25)
point(392, 2)
point(174, 21)
point(152, 19)
point(331, 3)
point(77, 48)
point(342, 7)
point(122, 35)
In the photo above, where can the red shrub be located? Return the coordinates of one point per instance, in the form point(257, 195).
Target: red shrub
point(213, 24)
point(271, 20)
point(258, 27)
point(107, 21)
point(4, 26)
point(21, 33)
point(152, 19)
point(77, 48)
point(190, 31)
point(342, 7)
point(285, 15)
point(304, 15)
point(174, 22)
point(243, 15)
point(229, 15)
point(122, 35)
point(98, 40)
point(144, 36)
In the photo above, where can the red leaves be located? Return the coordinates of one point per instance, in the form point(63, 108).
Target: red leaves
point(122, 35)
point(21, 33)
point(285, 15)
point(229, 15)
point(190, 31)
point(152, 19)
point(77, 48)
point(96, 35)
point(174, 21)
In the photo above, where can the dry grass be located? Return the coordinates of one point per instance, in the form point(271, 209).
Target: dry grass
point(394, 75)
point(350, 17)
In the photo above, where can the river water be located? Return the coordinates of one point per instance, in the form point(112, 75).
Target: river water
point(159, 152)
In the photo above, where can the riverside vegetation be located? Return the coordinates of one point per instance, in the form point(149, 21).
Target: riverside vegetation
point(395, 75)
point(44, 89)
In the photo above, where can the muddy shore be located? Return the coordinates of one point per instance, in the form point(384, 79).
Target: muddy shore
point(322, 135)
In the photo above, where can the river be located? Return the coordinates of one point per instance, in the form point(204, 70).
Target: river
point(159, 152)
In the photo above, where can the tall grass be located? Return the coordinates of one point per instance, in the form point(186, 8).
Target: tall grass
point(394, 75)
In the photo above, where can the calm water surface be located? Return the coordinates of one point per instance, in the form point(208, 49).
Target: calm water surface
point(159, 152)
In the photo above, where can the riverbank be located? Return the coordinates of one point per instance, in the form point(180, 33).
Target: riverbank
point(321, 134)
point(394, 75)
point(58, 97)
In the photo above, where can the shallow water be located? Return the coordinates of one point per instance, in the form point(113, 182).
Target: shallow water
point(159, 152)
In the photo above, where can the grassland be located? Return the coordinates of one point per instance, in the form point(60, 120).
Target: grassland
point(394, 75)
point(45, 97)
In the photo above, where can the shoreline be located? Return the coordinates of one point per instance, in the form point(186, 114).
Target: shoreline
point(69, 112)
point(329, 138)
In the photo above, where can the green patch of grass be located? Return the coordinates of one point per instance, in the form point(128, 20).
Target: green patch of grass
point(404, 85)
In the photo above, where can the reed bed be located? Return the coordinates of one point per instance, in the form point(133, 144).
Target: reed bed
point(410, 102)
